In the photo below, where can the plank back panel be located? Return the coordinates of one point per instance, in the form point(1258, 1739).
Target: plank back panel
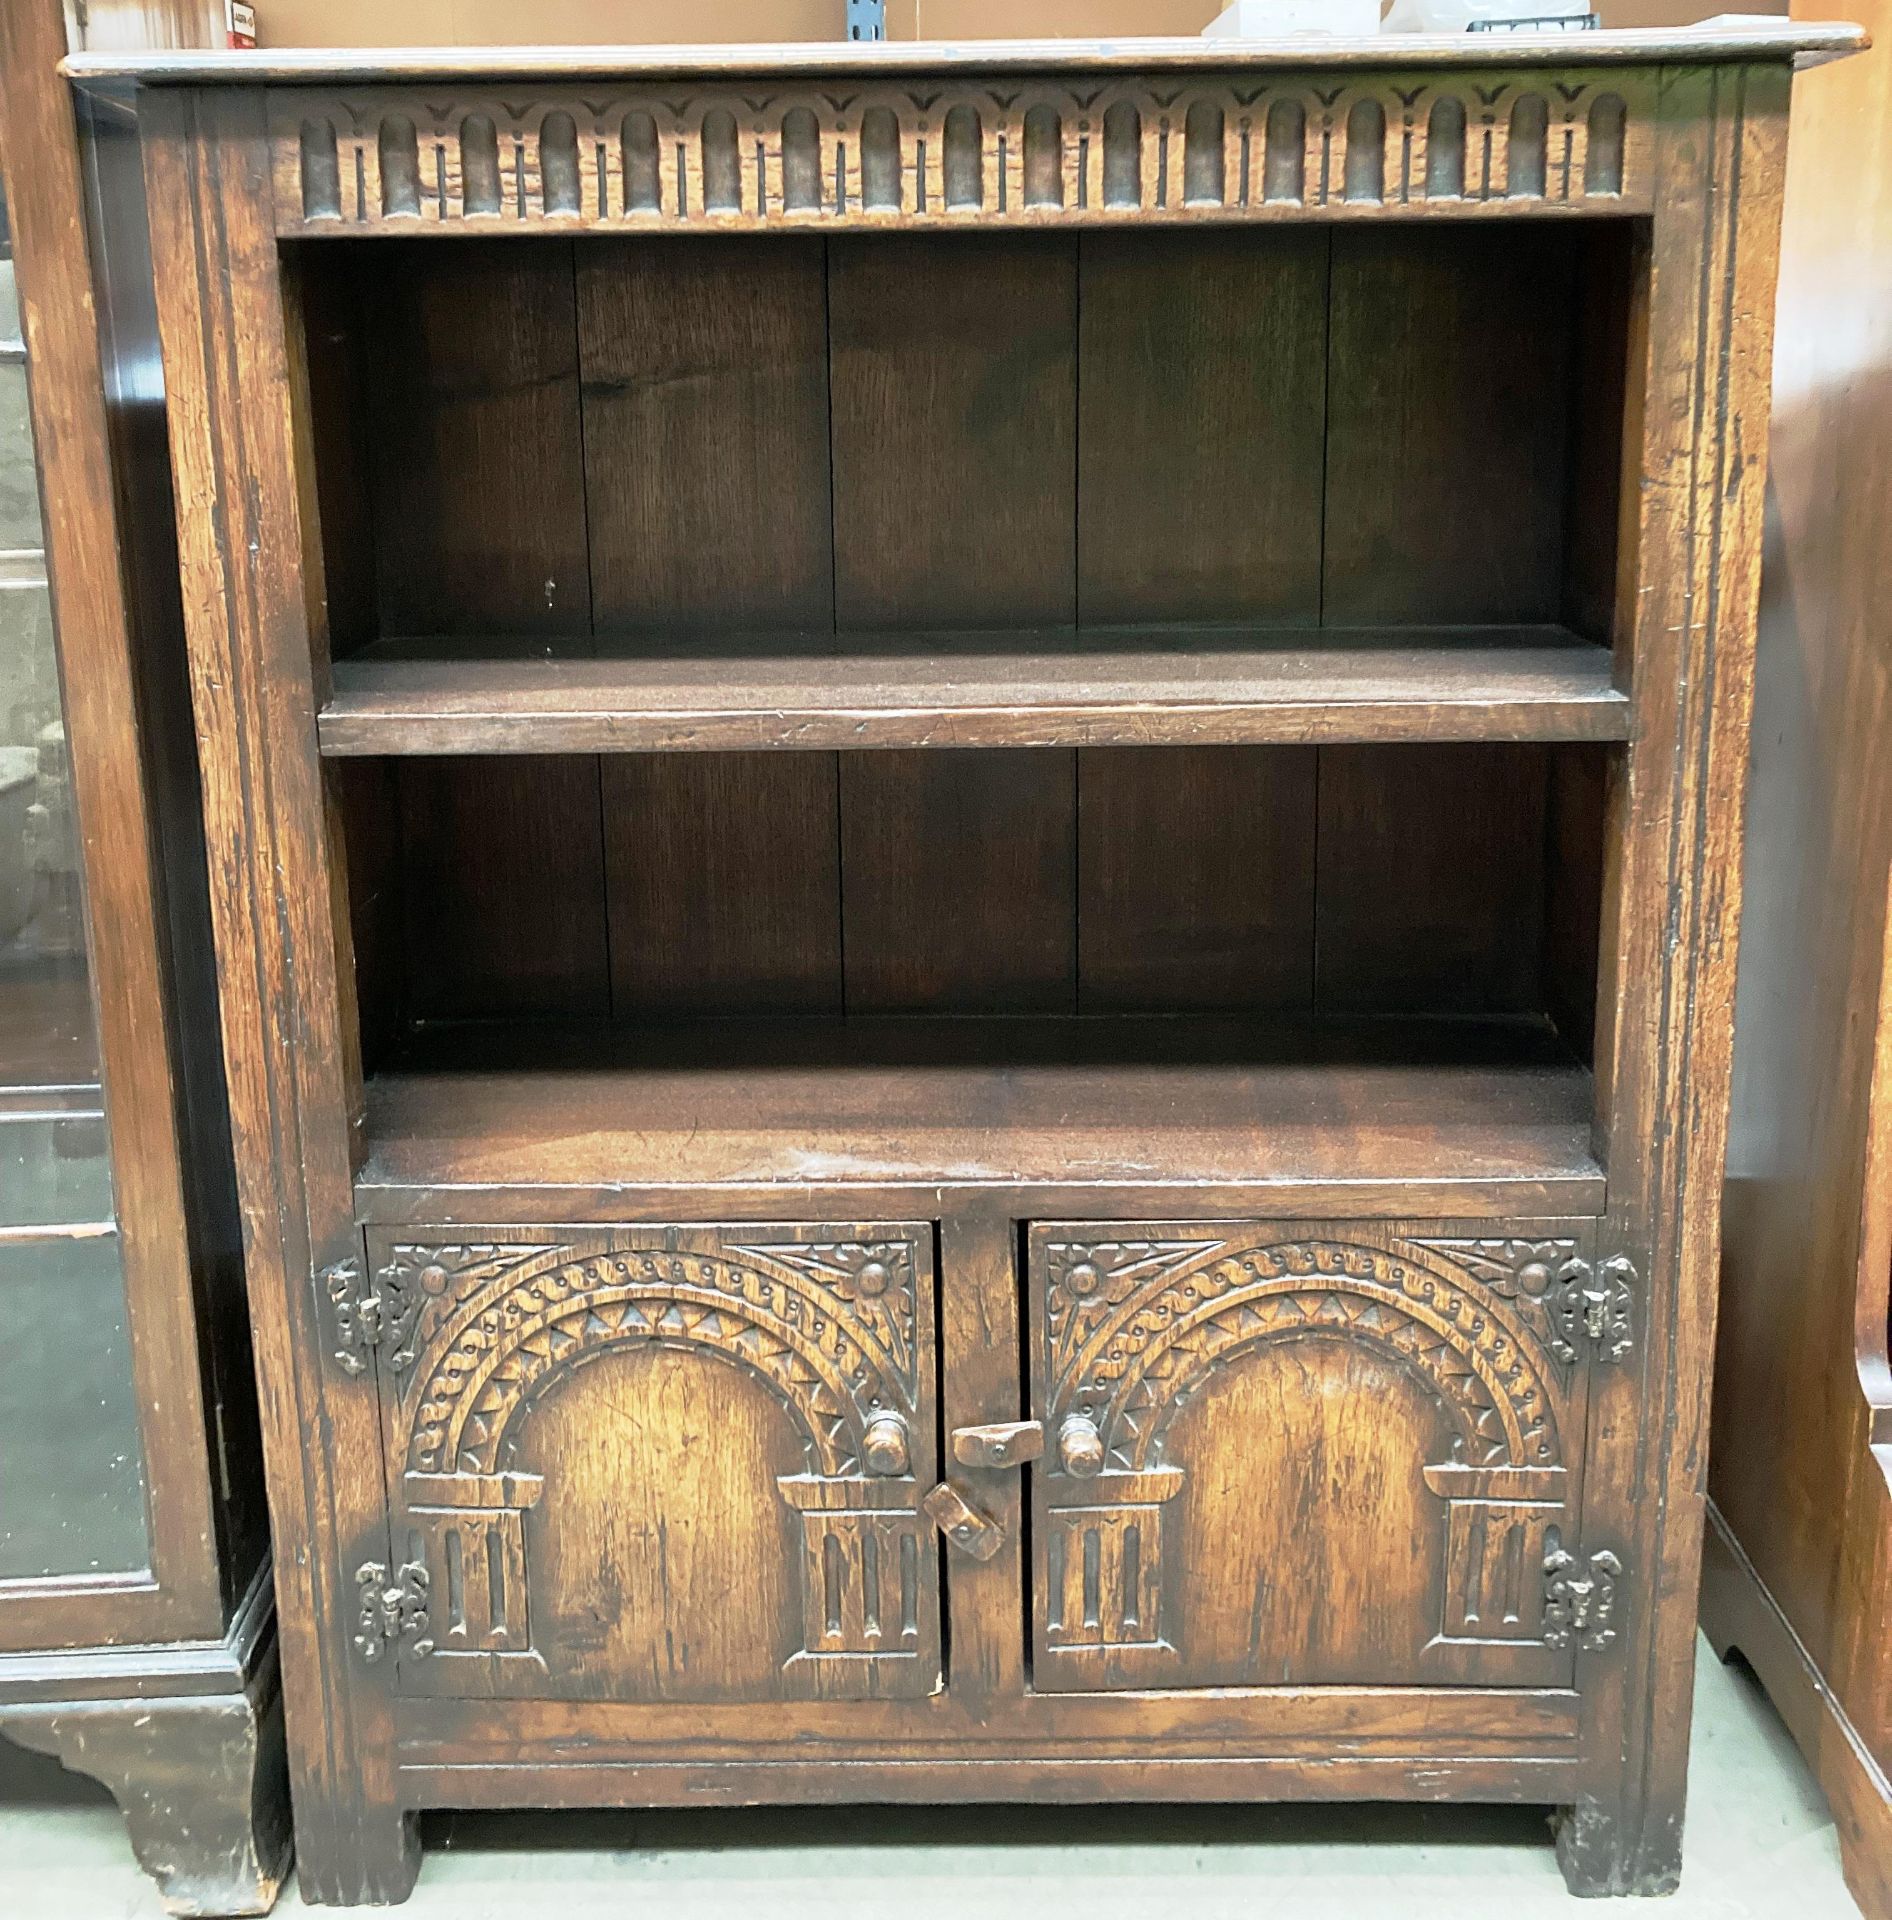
point(478, 467)
point(1431, 880)
point(723, 875)
point(1448, 424)
point(954, 386)
point(1196, 878)
point(954, 380)
point(959, 881)
point(706, 433)
point(504, 888)
point(1202, 411)
point(1202, 407)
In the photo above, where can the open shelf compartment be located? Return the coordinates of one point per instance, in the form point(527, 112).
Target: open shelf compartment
point(1210, 487)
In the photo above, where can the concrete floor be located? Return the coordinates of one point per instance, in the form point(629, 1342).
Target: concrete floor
point(1760, 1843)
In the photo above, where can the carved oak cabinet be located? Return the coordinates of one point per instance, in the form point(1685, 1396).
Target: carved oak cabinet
point(978, 817)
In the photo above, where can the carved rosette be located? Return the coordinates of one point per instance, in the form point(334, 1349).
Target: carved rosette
point(830, 1328)
point(1134, 1328)
point(1032, 150)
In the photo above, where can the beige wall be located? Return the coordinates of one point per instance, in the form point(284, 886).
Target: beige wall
point(417, 23)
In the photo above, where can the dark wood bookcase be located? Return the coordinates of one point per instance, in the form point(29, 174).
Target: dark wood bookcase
point(979, 820)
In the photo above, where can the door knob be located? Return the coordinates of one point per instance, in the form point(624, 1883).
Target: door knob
point(1005, 1443)
point(884, 1445)
point(1080, 1446)
point(962, 1523)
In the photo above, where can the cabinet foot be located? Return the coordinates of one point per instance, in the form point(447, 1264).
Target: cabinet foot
point(1603, 1853)
point(366, 1857)
point(200, 1780)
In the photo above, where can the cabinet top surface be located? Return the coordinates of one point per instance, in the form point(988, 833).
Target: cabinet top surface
point(1766, 40)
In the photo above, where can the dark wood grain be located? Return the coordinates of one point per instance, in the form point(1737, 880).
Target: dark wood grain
point(1448, 364)
point(503, 888)
point(1431, 885)
point(1201, 417)
point(1672, 915)
point(954, 377)
point(1196, 879)
point(478, 472)
point(706, 423)
point(960, 877)
point(1140, 686)
point(723, 873)
point(249, 604)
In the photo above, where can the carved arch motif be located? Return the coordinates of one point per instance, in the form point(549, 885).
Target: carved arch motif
point(1135, 1329)
point(1045, 148)
point(828, 1329)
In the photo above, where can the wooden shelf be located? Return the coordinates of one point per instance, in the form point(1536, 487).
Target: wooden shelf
point(1155, 686)
point(1157, 1118)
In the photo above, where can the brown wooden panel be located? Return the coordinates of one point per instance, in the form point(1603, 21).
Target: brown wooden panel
point(338, 352)
point(1394, 1526)
point(480, 524)
point(724, 875)
point(1448, 425)
point(1430, 892)
point(955, 421)
point(1203, 364)
point(1195, 878)
point(959, 881)
point(1605, 301)
point(654, 1446)
point(1279, 1582)
point(1577, 803)
point(694, 1471)
point(954, 398)
point(706, 432)
point(505, 888)
point(480, 486)
point(364, 798)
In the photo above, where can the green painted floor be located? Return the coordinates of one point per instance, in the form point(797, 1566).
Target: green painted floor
point(1760, 1843)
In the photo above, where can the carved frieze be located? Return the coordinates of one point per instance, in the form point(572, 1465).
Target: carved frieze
point(1030, 151)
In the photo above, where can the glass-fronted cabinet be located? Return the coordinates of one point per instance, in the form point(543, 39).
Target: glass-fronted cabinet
point(72, 1480)
point(137, 1620)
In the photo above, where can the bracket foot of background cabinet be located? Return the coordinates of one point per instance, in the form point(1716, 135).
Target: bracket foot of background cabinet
point(188, 1740)
point(1739, 1615)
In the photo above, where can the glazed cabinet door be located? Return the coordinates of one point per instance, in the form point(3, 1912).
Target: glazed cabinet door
point(658, 1464)
point(1305, 1452)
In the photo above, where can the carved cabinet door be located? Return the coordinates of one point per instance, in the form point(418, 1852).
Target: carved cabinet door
point(1309, 1452)
point(657, 1464)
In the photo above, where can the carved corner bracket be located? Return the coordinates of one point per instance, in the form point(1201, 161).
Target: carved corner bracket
point(391, 1612)
point(1580, 1596)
